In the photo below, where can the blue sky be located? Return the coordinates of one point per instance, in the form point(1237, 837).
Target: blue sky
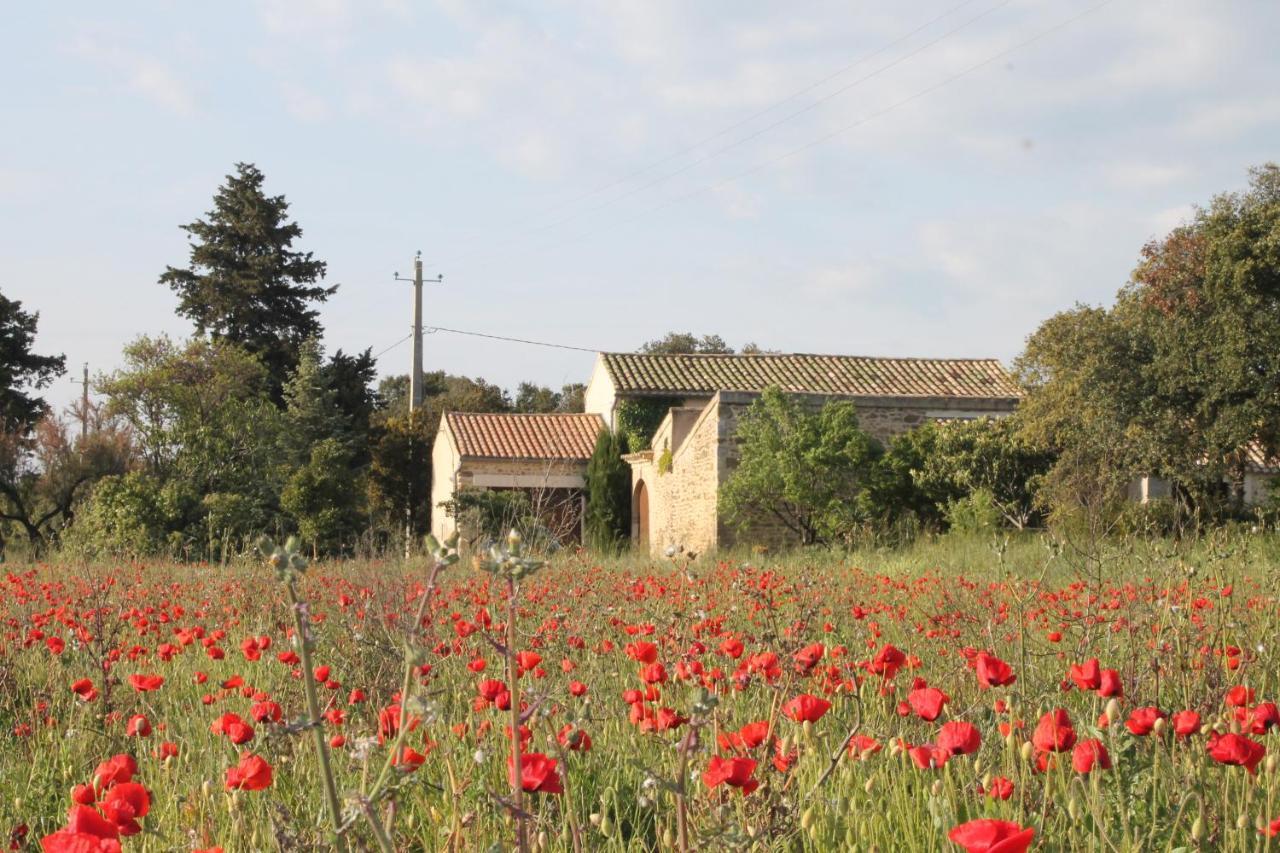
point(946, 175)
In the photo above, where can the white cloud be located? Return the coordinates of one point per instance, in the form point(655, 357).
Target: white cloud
point(140, 73)
point(304, 104)
point(1140, 175)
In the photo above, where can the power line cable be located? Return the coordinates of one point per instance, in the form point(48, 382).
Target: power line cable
point(434, 329)
point(745, 121)
point(828, 136)
point(393, 346)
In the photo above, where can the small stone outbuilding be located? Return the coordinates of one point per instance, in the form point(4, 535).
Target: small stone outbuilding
point(544, 455)
point(676, 483)
point(1261, 476)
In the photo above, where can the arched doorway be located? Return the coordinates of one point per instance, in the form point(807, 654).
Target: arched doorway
point(640, 516)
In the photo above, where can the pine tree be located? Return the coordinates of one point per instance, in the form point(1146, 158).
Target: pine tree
point(312, 411)
point(21, 370)
point(608, 514)
point(244, 283)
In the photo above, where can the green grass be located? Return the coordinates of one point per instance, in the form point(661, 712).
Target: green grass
point(1155, 611)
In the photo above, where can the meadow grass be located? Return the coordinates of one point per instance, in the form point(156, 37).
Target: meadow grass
point(1180, 623)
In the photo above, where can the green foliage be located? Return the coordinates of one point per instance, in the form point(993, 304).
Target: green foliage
point(953, 460)
point(486, 516)
point(638, 419)
point(127, 516)
point(351, 378)
point(974, 513)
point(312, 413)
point(21, 370)
point(607, 524)
point(687, 343)
point(1179, 376)
point(815, 473)
point(244, 283)
point(322, 497)
point(399, 483)
point(537, 399)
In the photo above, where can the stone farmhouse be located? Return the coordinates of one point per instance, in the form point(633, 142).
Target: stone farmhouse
point(695, 401)
point(675, 483)
point(543, 455)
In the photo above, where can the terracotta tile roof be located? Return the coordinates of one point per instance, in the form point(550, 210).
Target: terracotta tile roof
point(846, 375)
point(494, 436)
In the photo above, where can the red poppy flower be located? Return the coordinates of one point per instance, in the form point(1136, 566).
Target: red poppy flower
point(1186, 723)
point(1090, 755)
point(410, 760)
point(124, 804)
point(927, 702)
point(113, 771)
point(887, 662)
point(1239, 696)
point(863, 746)
point(735, 772)
point(1263, 718)
point(253, 773)
point(1000, 788)
point(993, 672)
point(641, 651)
point(806, 709)
point(138, 726)
point(754, 734)
point(992, 836)
point(236, 729)
point(959, 738)
point(929, 756)
point(1054, 732)
point(1236, 750)
point(146, 683)
point(538, 774)
point(1109, 684)
point(1142, 720)
point(1087, 676)
point(807, 658)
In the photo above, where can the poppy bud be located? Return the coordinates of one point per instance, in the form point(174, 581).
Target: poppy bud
point(1073, 809)
point(871, 781)
point(936, 788)
point(1270, 766)
point(806, 819)
point(1113, 711)
point(1158, 726)
point(606, 826)
point(1242, 821)
point(1197, 829)
point(1027, 750)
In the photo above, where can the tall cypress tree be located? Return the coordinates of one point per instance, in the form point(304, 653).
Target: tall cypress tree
point(244, 283)
point(608, 514)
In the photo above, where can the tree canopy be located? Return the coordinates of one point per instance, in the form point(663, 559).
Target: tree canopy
point(22, 371)
point(244, 283)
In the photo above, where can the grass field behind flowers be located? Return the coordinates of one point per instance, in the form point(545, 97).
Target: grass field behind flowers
point(953, 695)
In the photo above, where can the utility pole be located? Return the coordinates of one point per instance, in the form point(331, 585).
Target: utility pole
point(415, 373)
point(415, 378)
point(84, 403)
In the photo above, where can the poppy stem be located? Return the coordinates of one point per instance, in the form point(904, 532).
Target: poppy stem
point(513, 687)
point(313, 713)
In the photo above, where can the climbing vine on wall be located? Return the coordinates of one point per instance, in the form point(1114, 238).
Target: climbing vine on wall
point(637, 420)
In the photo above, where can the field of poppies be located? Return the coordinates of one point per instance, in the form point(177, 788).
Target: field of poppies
point(944, 698)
